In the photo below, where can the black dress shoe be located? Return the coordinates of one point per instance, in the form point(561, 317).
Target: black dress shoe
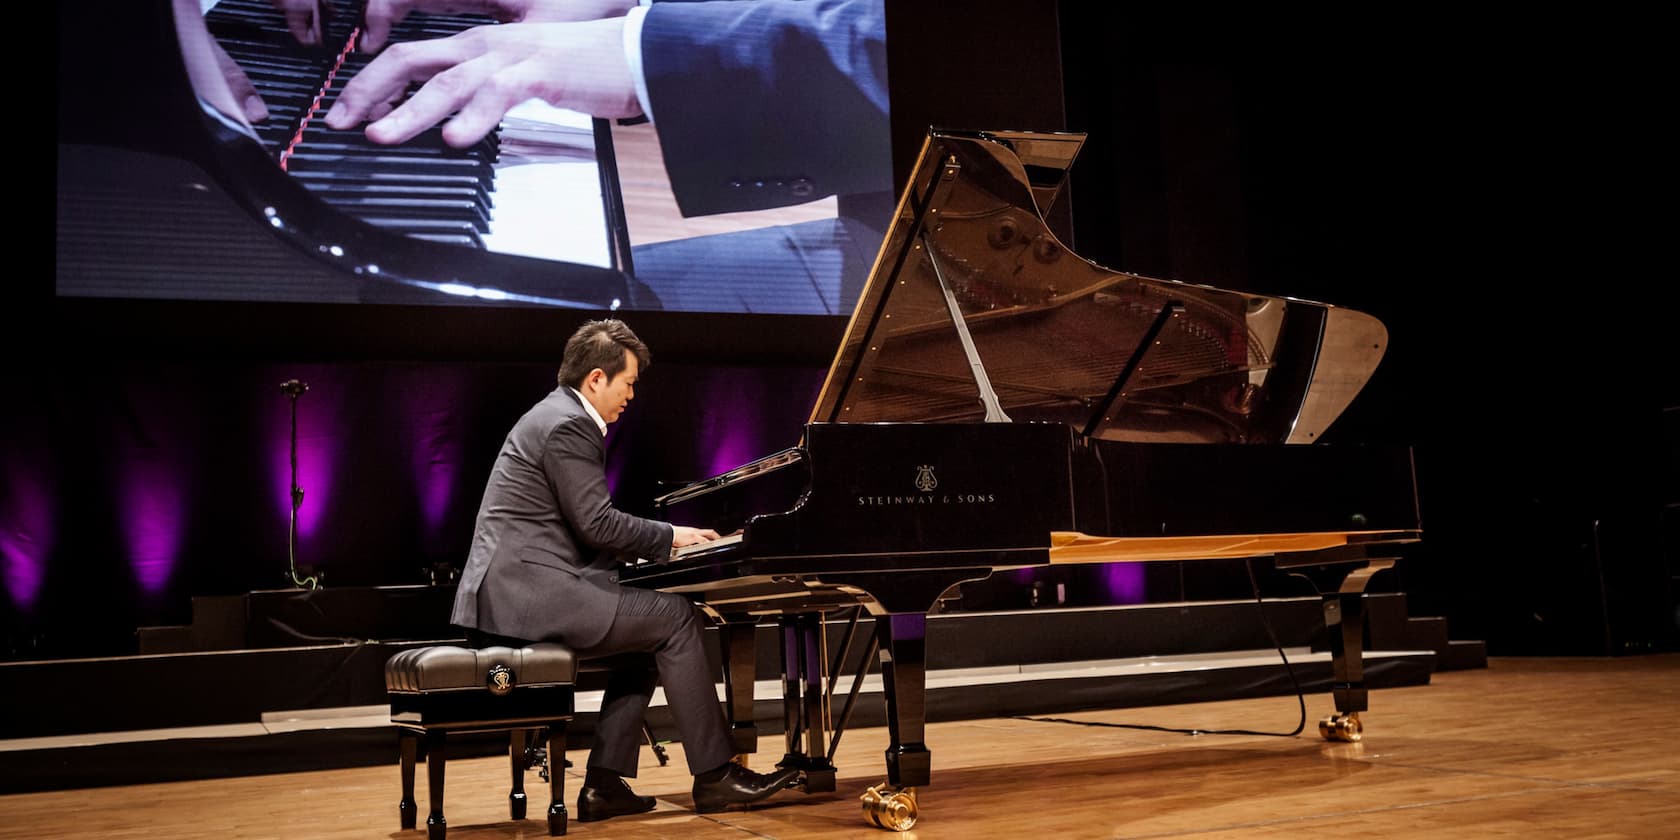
point(739, 786)
point(610, 800)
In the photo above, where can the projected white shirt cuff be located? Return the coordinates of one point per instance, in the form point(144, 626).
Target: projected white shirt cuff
point(633, 52)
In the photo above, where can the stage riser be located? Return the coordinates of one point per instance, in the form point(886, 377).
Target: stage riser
point(61, 697)
point(198, 758)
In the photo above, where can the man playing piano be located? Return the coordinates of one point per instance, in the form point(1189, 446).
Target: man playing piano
point(543, 566)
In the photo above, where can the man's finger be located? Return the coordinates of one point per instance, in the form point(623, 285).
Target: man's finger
point(386, 78)
point(490, 100)
point(304, 25)
point(377, 19)
point(446, 93)
point(244, 91)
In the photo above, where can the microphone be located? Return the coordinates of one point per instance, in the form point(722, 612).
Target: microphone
point(293, 388)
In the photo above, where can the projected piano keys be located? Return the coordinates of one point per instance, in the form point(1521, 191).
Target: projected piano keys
point(532, 188)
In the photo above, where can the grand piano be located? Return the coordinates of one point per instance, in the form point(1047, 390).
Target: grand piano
point(999, 402)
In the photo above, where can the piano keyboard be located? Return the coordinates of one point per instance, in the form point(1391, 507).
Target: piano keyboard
point(482, 197)
point(688, 551)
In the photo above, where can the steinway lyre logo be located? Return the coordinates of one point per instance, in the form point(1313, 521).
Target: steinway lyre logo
point(925, 481)
point(500, 680)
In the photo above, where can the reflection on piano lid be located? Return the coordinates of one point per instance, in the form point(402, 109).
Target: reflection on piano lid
point(199, 208)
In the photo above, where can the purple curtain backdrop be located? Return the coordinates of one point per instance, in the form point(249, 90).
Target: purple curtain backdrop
point(127, 489)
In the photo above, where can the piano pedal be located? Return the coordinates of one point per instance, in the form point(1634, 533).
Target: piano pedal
point(1342, 727)
point(816, 775)
point(658, 748)
point(538, 757)
point(890, 807)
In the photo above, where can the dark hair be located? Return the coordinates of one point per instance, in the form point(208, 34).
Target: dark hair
point(600, 344)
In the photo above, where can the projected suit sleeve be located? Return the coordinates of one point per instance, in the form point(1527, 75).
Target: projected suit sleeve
point(761, 104)
point(766, 103)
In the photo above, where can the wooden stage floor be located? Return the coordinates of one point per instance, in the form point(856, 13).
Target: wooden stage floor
point(1528, 747)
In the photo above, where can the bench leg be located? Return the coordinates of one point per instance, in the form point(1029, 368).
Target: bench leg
point(435, 826)
point(406, 744)
point(516, 753)
point(557, 778)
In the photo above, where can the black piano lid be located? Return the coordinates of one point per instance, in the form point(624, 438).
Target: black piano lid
point(1059, 338)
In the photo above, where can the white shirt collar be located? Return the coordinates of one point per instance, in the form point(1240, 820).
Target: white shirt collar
point(590, 407)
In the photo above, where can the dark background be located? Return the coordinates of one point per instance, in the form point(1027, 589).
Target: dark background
point(1476, 204)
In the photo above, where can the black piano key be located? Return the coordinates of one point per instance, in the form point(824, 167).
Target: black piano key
point(435, 227)
point(356, 145)
point(471, 201)
point(411, 208)
point(447, 239)
point(376, 161)
point(426, 144)
point(328, 179)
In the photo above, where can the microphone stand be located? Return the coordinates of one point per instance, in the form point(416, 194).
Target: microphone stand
point(293, 389)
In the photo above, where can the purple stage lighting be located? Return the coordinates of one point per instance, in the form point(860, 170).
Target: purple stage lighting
point(1124, 583)
point(153, 510)
point(26, 533)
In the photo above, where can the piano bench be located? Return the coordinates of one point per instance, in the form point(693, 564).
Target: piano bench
point(442, 689)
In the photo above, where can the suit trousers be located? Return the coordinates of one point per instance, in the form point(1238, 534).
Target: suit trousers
point(654, 639)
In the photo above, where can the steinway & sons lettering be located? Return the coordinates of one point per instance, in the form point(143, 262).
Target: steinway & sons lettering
point(928, 499)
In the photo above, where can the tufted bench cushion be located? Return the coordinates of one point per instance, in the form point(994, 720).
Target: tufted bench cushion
point(443, 688)
point(447, 668)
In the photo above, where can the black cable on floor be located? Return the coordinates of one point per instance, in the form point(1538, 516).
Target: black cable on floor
point(1300, 696)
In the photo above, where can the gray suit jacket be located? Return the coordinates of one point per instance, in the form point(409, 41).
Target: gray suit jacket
point(548, 540)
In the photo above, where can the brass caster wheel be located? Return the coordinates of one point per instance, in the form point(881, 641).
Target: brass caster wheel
point(889, 807)
point(1341, 727)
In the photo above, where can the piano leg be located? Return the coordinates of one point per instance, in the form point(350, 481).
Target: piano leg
point(900, 611)
point(903, 652)
point(1344, 618)
point(740, 669)
point(805, 702)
